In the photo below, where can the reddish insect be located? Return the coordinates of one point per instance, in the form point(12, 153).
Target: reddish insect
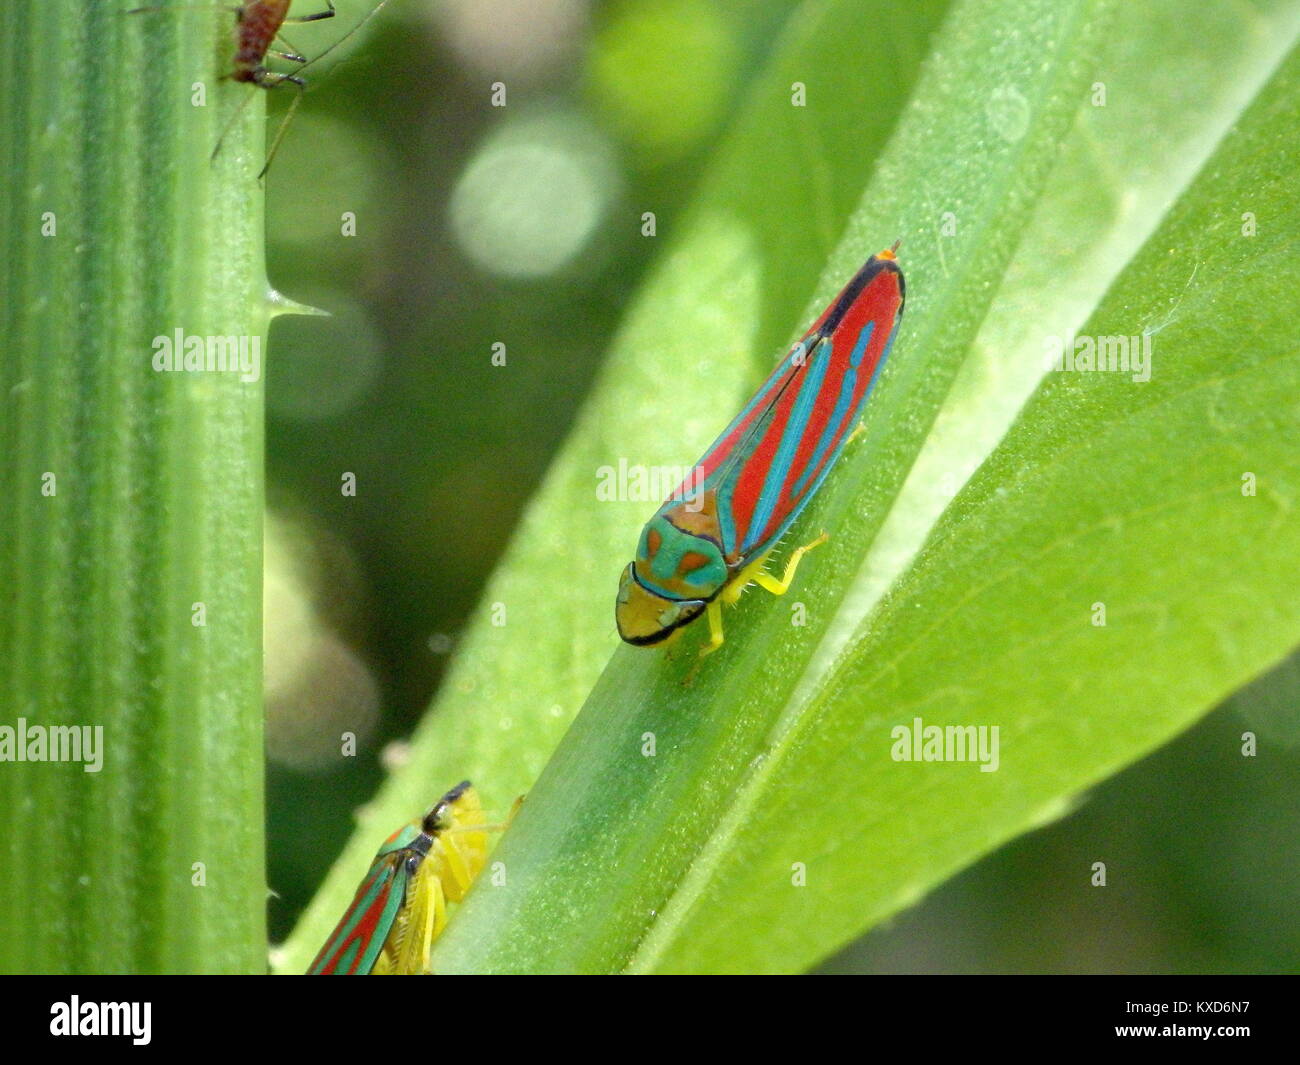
point(257, 30)
point(704, 546)
point(257, 25)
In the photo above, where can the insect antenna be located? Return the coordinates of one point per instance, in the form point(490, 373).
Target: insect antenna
point(297, 81)
point(221, 137)
point(284, 126)
point(346, 37)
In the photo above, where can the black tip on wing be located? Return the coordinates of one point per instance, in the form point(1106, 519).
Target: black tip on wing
point(853, 289)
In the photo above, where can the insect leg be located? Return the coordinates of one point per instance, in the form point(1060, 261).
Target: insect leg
point(514, 809)
point(284, 124)
point(780, 587)
point(439, 915)
point(459, 877)
point(316, 17)
point(234, 115)
point(714, 610)
point(431, 928)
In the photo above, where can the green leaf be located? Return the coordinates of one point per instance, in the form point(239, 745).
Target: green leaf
point(727, 295)
point(1020, 202)
point(1167, 503)
point(130, 496)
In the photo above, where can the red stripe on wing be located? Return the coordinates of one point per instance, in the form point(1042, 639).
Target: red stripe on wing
point(369, 924)
point(878, 302)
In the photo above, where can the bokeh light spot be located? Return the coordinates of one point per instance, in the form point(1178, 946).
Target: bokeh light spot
point(512, 38)
point(532, 195)
point(663, 72)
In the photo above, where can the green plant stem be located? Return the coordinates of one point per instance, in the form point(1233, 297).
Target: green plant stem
point(131, 539)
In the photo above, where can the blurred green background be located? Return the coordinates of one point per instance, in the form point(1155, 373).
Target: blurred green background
point(478, 225)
